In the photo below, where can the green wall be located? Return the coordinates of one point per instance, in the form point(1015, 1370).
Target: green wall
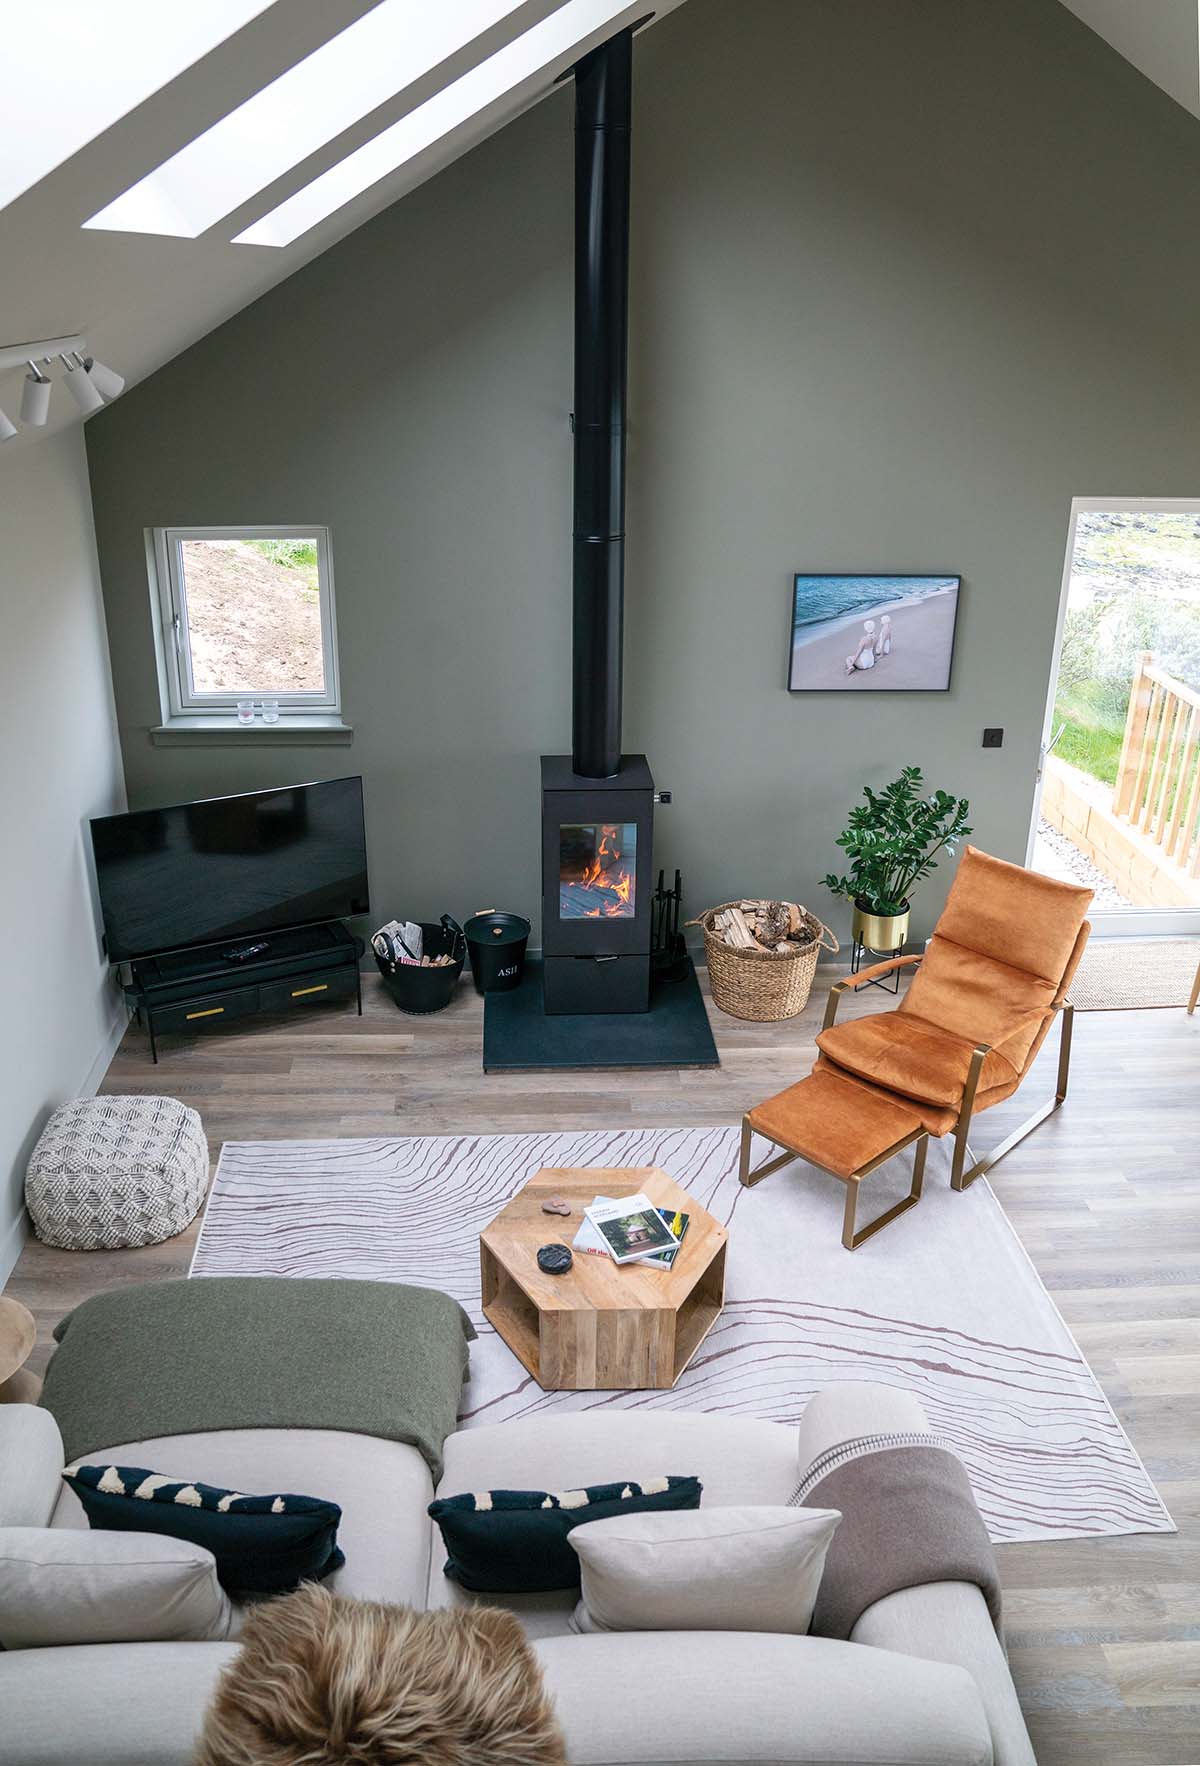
point(907, 276)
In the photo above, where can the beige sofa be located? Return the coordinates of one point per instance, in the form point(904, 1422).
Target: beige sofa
point(923, 1683)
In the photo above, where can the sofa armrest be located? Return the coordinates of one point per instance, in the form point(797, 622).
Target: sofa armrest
point(847, 1411)
point(31, 1463)
point(949, 1622)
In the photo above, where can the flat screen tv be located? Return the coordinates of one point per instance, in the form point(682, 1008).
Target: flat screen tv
point(226, 867)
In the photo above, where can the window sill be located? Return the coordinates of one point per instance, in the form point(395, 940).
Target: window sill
point(289, 732)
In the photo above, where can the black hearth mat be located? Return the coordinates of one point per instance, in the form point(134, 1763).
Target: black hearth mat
point(518, 1035)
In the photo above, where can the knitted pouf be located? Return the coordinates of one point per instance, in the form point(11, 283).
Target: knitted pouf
point(113, 1172)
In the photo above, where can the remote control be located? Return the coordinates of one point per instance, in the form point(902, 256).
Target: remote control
point(241, 953)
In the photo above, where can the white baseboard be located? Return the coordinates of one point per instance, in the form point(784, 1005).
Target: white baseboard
point(12, 1243)
point(14, 1233)
point(105, 1053)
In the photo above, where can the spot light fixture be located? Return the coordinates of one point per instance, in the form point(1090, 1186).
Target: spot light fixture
point(35, 397)
point(80, 386)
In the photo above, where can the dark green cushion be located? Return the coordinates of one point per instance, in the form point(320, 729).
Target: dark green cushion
point(515, 1541)
point(262, 1544)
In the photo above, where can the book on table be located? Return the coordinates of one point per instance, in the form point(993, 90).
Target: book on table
point(631, 1228)
point(588, 1238)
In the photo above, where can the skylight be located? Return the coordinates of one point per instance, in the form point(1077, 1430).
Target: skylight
point(447, 110)
point(76, 67)
point(312, 103)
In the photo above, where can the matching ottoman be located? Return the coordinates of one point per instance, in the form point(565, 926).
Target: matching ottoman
point(845, 1128)
point(113, 1172)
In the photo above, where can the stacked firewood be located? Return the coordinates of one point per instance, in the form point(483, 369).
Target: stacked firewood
point(778, 927)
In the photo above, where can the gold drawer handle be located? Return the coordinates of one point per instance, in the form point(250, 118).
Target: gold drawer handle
point(212, 1012)
point(297, 992)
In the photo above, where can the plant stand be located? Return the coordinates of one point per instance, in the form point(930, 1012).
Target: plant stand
point(858, 950)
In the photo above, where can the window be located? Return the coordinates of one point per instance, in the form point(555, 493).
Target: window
point(108, 60)
point(386, 50)
point(246, 613)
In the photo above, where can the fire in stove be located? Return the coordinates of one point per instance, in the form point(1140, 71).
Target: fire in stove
point(597, 868)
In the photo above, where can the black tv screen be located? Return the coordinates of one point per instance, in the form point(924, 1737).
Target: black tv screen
point(226, 867)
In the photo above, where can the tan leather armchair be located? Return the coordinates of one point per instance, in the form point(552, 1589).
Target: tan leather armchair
point(992, 980)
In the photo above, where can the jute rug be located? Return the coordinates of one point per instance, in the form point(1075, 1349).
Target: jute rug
point(944, 1302)
point(1127, 974)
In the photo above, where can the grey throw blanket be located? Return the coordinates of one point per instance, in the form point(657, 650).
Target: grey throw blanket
point(260, 1352)
point(908, 1516)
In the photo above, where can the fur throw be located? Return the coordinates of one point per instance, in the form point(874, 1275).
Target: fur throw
point(322, 1680)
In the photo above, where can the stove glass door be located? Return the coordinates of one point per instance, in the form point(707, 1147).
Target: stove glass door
point(597, 870)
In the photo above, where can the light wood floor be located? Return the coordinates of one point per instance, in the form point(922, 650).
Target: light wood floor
point(1104, 1635)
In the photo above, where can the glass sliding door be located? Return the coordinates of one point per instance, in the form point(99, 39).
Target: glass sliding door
point(1119, 789)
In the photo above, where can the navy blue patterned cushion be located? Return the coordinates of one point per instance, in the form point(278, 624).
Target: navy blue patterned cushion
point(515, 1541)
point(262, 1544)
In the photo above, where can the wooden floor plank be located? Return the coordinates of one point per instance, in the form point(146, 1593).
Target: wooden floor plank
point(1104, 1633)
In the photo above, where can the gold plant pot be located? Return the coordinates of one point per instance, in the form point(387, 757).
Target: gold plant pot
point(882, 933)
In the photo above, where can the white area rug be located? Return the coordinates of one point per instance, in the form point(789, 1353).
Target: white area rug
point(944, 1301)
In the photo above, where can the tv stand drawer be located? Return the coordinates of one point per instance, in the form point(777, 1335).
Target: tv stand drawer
point(307, 990)
point(204, 1013)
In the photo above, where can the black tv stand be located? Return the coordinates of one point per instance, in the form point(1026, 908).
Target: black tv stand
point(208, 986)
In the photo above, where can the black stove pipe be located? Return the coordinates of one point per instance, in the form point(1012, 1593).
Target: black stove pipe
point(603, 103)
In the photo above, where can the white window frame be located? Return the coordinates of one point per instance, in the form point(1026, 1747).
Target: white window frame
point(181, 704)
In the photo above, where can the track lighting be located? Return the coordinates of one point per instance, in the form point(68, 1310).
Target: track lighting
point(89, 382)
point(106, 380)
point(35, 397)
point(81, 389)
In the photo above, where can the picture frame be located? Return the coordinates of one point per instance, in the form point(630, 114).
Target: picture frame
point(881, 632)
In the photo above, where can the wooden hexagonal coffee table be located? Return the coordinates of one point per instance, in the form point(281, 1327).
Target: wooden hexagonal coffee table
point(602, 1326)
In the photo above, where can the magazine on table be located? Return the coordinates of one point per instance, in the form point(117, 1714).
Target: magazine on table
point(589, 1239)
point(631, 1228)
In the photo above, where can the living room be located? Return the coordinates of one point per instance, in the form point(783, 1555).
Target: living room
point(461, 474)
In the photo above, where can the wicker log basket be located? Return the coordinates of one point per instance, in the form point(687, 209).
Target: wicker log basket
point(763, 985)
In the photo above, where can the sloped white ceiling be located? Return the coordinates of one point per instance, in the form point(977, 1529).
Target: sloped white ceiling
point(1160, 37)
point(142, 298)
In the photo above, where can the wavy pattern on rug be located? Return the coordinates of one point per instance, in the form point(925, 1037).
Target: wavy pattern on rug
point(945, 1302)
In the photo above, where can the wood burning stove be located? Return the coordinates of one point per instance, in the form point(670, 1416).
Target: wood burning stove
point(597, 886)
point(598, 804)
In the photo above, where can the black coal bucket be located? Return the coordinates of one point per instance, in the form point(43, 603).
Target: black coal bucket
point(416, 989)
point(497, 943)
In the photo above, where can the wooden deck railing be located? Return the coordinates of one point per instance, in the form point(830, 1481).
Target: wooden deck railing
point(1158, 774)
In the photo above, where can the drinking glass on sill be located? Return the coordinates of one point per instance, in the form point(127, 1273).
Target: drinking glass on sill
point(245, 711)
point(270, 711)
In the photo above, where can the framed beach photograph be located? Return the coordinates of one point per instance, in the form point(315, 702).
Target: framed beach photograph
point(879, 634)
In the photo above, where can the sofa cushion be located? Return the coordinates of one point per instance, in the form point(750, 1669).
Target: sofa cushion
point(737, 1459)
point(59, 1587)
point(31, 1459)
point(136, 1704)
point(262, 1544)
point(721, 1569)
point(382, 1488)
point(723, 1698)
point(518, 1541)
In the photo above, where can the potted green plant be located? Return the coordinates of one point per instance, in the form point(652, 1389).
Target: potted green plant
point(893, 841)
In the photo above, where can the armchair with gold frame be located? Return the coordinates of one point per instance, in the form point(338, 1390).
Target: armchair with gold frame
point(992, 980)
